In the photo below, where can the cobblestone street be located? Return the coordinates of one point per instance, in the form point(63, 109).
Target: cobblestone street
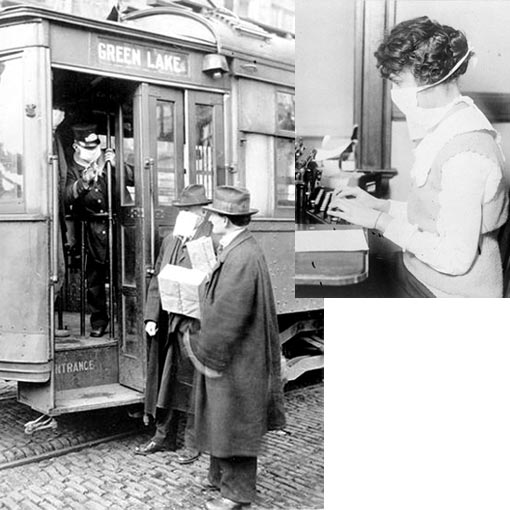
point(109, 476)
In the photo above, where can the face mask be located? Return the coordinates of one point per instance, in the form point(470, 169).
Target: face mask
point(421, 120)
point(89, 155)
point(185, 224)
point(58, 117)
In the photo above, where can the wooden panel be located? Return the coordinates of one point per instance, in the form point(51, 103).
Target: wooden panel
point(372, 102)
point(258, 112)
point(81, 368)
point(97, 397)
point(24, 317)
point(331, 268)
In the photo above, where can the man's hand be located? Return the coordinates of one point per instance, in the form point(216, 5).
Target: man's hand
point(151, 328)
point(109, 155)
point(88, 175)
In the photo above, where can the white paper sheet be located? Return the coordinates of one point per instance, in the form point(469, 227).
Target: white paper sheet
point(330, 240)
point(331, 148)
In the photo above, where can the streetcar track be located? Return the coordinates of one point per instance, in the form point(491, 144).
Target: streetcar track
point(105, 439)
point(64, 451)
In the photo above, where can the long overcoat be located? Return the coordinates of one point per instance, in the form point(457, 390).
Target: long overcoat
point(239, 338)
point(169, 371)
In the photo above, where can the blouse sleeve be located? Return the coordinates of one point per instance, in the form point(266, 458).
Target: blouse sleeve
point(453, 248)
point(398, 209)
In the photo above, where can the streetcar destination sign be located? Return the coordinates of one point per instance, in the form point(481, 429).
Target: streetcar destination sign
point(142, 58)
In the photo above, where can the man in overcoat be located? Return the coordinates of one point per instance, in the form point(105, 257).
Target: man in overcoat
point(238, 389)
point(86, 196)
point(170, 372)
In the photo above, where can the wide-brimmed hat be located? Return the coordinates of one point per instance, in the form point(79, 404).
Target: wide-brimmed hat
point(85, 135)
point(231, 201)
point(194, 194)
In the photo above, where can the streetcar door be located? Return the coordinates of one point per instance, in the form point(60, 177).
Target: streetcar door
point(157, 141)
point(206, 147)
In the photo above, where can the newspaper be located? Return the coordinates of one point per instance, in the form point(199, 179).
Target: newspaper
point(201, 254)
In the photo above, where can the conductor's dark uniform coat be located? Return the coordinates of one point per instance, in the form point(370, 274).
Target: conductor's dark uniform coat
point(91, 205)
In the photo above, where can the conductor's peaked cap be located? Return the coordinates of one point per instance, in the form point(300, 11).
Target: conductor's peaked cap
point(85, 135)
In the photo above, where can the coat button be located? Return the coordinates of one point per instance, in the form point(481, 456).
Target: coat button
point(98, 200)
point(103, 232)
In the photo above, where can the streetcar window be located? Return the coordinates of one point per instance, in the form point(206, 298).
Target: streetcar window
point(11, 134)
point(267, 121)
point(285, 187)
point(128, 156)
point(204, 156)
point(130, 326)
point(285, 111)
point(128, 240)
point(165, 118)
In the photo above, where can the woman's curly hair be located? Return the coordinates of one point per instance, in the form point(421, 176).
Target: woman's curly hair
point(425, 47)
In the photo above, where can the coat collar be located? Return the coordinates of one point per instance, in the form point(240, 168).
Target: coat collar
point(239, 239)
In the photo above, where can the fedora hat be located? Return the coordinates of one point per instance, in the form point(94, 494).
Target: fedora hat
point(231, 201)
point(194, 194)
point(85, 135)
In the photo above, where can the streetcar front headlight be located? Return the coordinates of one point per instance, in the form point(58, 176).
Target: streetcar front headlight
point(214, 65)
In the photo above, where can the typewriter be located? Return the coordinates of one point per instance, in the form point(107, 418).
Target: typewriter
point(318, 206)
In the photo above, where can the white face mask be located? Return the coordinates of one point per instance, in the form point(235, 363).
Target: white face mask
point(89, 155)
point(421, 120)
point(185, 224)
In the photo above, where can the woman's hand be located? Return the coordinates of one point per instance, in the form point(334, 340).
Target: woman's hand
point(353, 211)
point(360, 196)
point(151, 328)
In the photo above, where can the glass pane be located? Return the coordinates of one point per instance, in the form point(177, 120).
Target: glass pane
point(165, 151)
point(11, 136)
point(130, 325)
point(127, 177)
point(285, 187)
point(286, 111)
point(260, 155)
point(129, 255)
point(204, 153)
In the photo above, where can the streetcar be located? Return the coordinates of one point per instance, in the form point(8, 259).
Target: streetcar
point(182, 97)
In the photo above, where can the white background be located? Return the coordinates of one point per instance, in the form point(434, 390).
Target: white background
point(417, 404)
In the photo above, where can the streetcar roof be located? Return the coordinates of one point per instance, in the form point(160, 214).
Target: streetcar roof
point(213, 30)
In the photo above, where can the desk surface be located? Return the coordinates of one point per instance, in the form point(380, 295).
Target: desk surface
point(315, 268)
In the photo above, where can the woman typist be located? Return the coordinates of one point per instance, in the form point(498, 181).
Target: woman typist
point(458, 200)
